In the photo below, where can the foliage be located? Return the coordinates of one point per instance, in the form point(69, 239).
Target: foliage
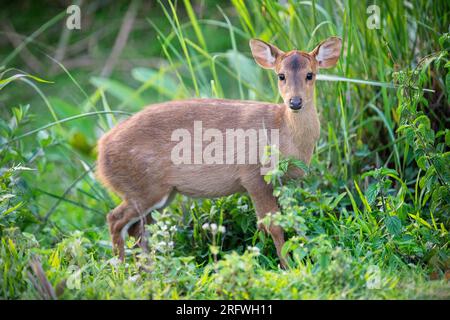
point(370, 218)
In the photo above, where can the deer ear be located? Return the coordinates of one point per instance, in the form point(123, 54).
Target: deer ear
point(327, 52)
point(264, 53)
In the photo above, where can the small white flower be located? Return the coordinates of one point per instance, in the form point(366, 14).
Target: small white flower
point(134, 278)
point(163, 227)
point(114, 261)
point(222, 229)
point(254, 250)
point(161, 244)
point(213, 227)
point(173, 228)
point(171, 244)
point(205, 226)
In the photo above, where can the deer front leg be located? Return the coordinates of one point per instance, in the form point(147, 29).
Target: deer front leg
point(264, 203)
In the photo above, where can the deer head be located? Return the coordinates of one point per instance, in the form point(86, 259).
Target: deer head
point(296, 69)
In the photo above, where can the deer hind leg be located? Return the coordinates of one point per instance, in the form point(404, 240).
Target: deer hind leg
point(264, 203)
point(137, 230)
point(126, 215)
point(117, 219)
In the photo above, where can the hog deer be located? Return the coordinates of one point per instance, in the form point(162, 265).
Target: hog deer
point(134, 158)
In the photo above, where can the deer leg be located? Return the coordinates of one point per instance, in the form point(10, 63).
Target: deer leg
point(117, 219)
point(265, 202)
point(137, 230)
point(126, 215)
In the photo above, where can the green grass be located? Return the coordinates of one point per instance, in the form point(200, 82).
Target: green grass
point(370, 220)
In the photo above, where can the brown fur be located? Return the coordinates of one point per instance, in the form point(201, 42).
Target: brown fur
point(135, 157)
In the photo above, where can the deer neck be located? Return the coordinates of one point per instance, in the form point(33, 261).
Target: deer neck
point(302, 129)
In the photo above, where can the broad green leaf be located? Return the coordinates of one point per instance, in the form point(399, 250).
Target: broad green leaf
point(372, 192)
point(393, 225)
point(421, 162)
point(300, 164)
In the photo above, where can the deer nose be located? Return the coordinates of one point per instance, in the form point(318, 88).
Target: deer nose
point(295, 103)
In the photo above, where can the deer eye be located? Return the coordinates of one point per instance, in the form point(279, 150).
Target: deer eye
point(309, 76)
point(281, 77)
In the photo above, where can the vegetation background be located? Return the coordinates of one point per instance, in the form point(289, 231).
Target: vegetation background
point(370, 220)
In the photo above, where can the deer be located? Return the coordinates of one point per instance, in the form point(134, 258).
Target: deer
point(134, 157)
